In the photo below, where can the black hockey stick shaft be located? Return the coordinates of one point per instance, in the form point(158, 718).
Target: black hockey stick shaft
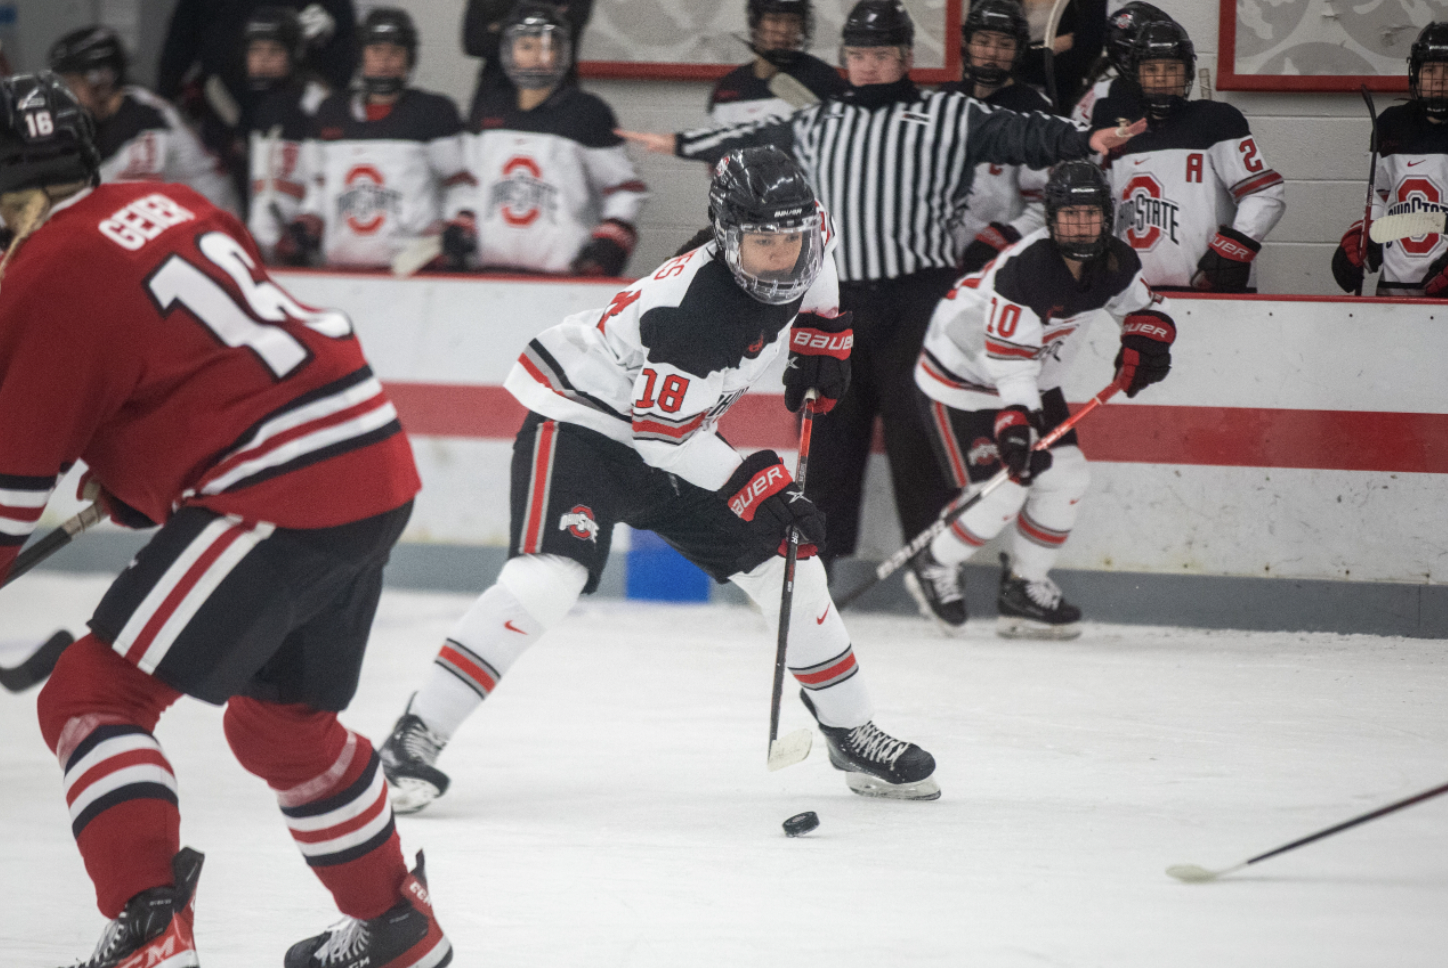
point(54, 541)
point(967, 500)
point(791, 558)
point(1372, 185)
point(1380, 812)
point(40, 664)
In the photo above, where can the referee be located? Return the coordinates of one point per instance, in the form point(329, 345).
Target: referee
point(893, 166)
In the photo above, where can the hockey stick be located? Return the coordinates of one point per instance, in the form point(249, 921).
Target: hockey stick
point(40, 664)
point(1048, 45)
point(794, 747)
point(1408, 225)
point(54, 541)
point(788, 89)
point(415, 254)
point(1193, 873)
point(966, 500)
point(1372, 184)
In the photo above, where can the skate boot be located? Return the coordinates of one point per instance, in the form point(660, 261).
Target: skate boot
point(407, 761)
point(156, 926)
point(938, 590)
point(877, 764)
point(408, 936)
point(1034, 609)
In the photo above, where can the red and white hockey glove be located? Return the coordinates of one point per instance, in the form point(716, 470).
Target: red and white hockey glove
point(90, 489)
point(988, 243)
point(763, 495)
point(1016, 432)
point(819, 357)
point(1435, 280)
point(607, 251)
point(1226, 266)
point(1351, 259)
point(459, 239)
point(1145, 354)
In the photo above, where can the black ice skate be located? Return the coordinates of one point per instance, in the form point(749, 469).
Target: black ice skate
point(939, 591)
point(156, 926)
point(877, 764)
point(407, 761)
point(408, 936)
point(1034, 609)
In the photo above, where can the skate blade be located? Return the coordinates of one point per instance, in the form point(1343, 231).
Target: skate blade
point(922, 604)
point(411, 795)
point(791, 749)
point(872, 786)
point(1025, 628)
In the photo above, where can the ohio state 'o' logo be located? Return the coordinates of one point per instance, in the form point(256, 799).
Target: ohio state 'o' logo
point(1141, 185)
point(1419, 190)
point(521, 164)
point(362, 177)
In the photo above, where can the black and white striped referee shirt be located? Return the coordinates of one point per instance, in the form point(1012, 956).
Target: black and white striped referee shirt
point(894, 166)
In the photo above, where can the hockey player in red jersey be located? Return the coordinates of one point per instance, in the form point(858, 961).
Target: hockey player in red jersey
point(1197, 198)
point(994, 359)
point(385, 164)
point(623, 405)
point(205, 400)
point(1412, 176)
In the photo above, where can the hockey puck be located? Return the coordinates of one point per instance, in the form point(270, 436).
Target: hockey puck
point(801, 824)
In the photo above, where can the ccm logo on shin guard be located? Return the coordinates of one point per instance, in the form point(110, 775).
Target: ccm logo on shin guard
point(767, 482)
point(580, 523)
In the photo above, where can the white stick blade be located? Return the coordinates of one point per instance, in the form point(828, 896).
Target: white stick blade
point(791, 749)
point(788, 89)
point(1408, 225)
point(416, 254)
point(1191, 873)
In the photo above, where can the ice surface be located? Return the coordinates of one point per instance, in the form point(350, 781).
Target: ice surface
point(610, 804)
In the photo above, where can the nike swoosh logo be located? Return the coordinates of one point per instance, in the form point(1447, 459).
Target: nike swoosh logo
point(821, 619)
point(513, 628)
point(1418, 162)
point(1138, 161)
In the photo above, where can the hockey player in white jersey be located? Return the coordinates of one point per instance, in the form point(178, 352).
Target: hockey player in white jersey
point(1108, 73)
point(779, 34)
point(385, 163)
point(623, 405)
point(1197, 198)
point(1412, 176)
point(140, 136)
point(277, 121)
point(1005, 200)
point(556, 189)
point(992, 366)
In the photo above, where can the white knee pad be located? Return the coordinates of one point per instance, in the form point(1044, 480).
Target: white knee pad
point(546, 586)
point(1054, 495)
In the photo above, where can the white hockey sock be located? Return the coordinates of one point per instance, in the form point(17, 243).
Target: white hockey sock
point(1050, 513)
point(978, 525)
point(820, 656)
point(533, 593)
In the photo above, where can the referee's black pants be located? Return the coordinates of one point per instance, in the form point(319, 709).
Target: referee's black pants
point(891, 316)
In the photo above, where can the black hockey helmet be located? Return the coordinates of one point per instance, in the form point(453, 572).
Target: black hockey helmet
point(280, 26)
point(1122, 28)
point(46, 137)
point(544, 22)
point(96, 53)
point(762, 191)
point(878, 23)
point(803, 9)
point(1002, 17)
point(1431, 46)
point(388, 25)
point(1162, 40)
point(1072, 183)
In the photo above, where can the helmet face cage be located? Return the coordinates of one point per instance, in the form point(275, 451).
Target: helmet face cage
point(1000, 16)
point(46, 137)
point(761, 191)
point(1162, 41)
point(388, 25)
point(1430, 47)
point(550, 36)
point(774, 287)
point(95, 53)
point(1074, 183)
point(802, 9)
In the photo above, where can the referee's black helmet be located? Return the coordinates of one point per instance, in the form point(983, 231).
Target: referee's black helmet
point(878, 23)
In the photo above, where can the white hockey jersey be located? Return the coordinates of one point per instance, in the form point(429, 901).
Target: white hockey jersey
point(1412, 176)
point(740, 97)
point(1184, 177)
point(1008, 333)
point(1084, 110)
point(146, 140)
point(546, 178)
point(378, 184)
point(280, 124)
point(661, 364)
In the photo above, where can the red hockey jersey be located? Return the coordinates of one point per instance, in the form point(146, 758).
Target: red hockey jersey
point(140, 333)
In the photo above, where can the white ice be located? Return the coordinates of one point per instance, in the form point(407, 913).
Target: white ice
point(610, 805)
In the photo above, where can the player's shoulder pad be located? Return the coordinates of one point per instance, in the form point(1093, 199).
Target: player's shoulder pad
point(1405, 129)
point(1026, 273)
point(586, 118)
point(1020, 97)
point(731, 86)
point(333, 116)
point(430, 114)
point(714, 326)
point(1223, 119)
point(1123, 257)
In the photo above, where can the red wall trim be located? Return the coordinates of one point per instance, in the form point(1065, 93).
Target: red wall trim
point(1229, 80)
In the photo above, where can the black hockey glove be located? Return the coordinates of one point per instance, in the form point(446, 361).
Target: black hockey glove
point(608, 250)
point(1016, 432)
point(1348, 261)
point(300, 242)
point(1435, 280)
point(765, 497)
point(1145, 354)
point(460, 240)
point(819, 357)
point(988, 243)
point(1226, 266)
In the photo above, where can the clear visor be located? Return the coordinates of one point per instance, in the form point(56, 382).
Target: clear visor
point(775, 264)
point(535, 56)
